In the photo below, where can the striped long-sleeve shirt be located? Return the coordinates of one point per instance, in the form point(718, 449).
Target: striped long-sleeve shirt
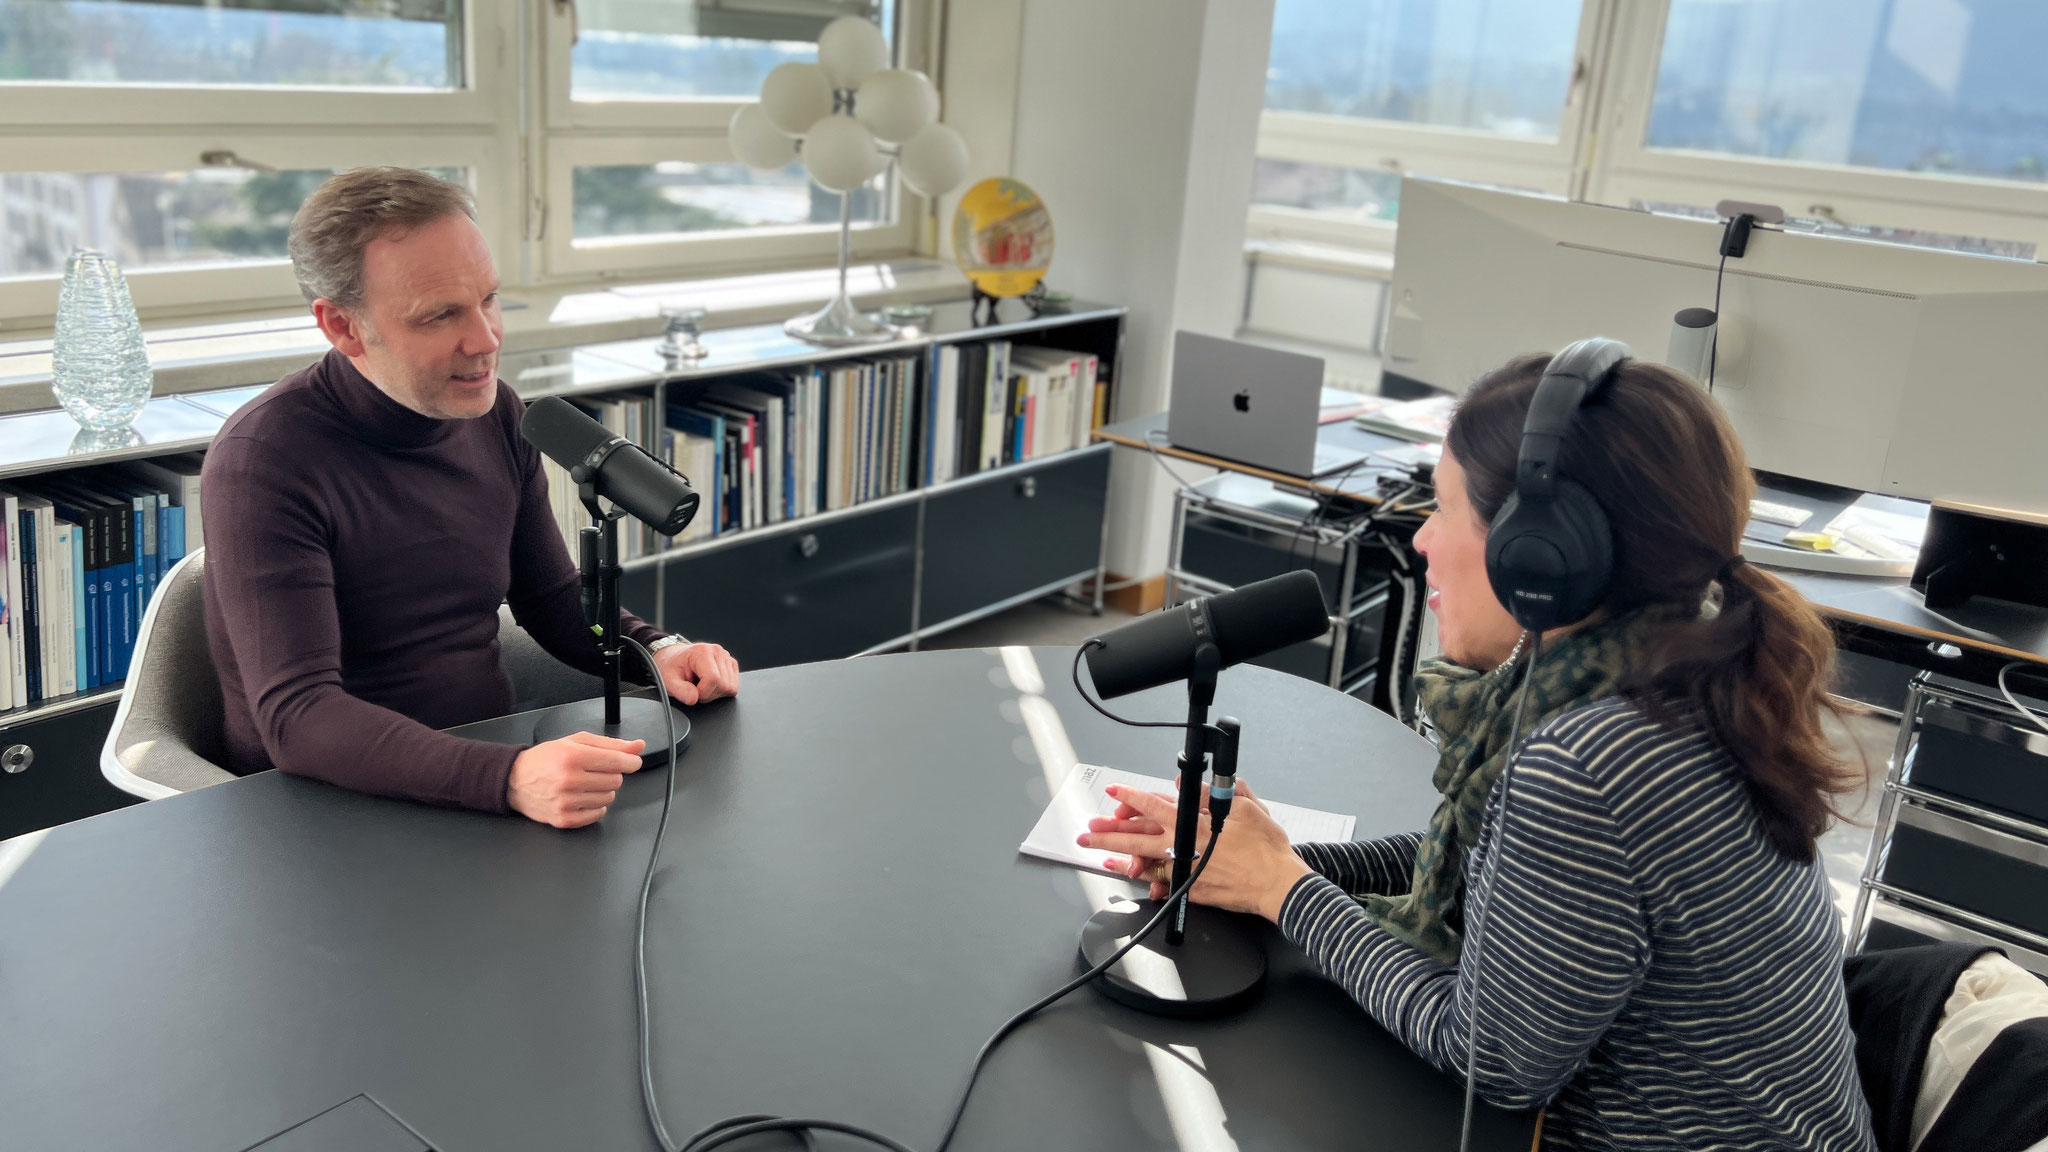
point(1647, 964)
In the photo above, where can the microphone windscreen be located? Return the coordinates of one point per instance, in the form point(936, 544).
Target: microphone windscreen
point(1268, 615)
point(562, 433)
point(1154, 649)
point(1245, 624)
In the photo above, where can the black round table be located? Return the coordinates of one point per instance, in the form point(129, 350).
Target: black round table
point(841, 918)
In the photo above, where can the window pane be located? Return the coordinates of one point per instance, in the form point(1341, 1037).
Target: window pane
point(1498, 67)
point(679, 50)
point(300, 43)
point(642, 200)
point(1364, 194)
point(1913, 85)
point(152, 219)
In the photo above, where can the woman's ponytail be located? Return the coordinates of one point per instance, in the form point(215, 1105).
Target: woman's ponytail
point(1755, 666)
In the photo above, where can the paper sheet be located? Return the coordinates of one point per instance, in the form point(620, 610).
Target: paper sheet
point(1081, 799)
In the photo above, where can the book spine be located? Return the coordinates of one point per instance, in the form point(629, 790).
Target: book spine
point(143, 512)
point(17, 617)
point(126, 521)
point(110, 580)
point(56, 633)
point(62, 618)
point(31, 602)
point(81, 655)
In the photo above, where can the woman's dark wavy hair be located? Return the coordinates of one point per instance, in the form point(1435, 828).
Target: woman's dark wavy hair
point(1663, 461)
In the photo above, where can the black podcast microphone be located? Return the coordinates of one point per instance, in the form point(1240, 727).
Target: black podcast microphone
point(1243, 624)
point(625, 474)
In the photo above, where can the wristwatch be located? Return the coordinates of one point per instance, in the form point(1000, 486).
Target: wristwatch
point(667, 641)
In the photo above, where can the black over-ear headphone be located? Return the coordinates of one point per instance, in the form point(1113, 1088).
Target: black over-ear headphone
point(1549, 553)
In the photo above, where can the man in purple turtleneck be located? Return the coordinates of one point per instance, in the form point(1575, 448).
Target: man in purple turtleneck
point(367, 516)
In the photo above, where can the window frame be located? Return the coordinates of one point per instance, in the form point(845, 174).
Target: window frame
point(511, 126)
point(634, 257)
point(1631, 170)
point(644, 132)
point(1602, 130)
point(489, 30)
point(185, 289)
point(1411, 149)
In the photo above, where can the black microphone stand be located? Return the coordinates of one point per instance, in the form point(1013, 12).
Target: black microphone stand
point(634, 718)
point(1209, 962)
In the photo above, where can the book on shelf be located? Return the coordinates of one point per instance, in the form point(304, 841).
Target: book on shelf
point(762, 448)
point(178, 478)
point(86, 552)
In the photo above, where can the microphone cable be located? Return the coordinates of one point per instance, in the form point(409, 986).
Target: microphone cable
point(1472, 922)
point(739, 1127)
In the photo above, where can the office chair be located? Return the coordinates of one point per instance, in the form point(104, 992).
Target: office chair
point(167, 736)
point(168, 733)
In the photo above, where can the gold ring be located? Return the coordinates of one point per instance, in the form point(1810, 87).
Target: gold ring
point(1161, 870)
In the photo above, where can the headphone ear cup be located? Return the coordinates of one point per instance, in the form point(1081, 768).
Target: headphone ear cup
point(1550, 561)
point(1580, 517)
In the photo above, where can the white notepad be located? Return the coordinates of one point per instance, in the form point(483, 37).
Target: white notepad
point(1082, 799)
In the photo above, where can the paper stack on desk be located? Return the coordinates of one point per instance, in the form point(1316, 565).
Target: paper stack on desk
point(1425, 419)
point(1082, 799)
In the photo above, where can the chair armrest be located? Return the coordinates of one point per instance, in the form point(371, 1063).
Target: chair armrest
point(155, 768)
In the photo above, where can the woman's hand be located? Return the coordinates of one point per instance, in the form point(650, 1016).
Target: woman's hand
point(1254, 867)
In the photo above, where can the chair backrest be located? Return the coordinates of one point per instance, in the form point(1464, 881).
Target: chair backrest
point(169, 730)
point(538, 679)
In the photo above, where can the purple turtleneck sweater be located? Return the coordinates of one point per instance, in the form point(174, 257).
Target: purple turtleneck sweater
point(356, 555)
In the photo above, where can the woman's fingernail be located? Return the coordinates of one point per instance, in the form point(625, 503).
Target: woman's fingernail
point(1082, 840)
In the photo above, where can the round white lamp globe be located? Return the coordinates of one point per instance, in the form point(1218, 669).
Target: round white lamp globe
point(895, 102)
point(795, 96)
point(757, 142)
point(934, 161)
point(841, 155)
point(851, 50)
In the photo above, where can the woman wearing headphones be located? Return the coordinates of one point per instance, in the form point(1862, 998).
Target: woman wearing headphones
point(1634, 927)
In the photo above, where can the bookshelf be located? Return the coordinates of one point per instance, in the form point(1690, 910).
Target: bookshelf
point(912, 551)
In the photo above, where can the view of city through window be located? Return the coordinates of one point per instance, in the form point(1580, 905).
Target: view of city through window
point(1481, 64)
point(1913, 85)
point(639, 200)
point(1932, 86)
point(403, 44)
point(151, 219)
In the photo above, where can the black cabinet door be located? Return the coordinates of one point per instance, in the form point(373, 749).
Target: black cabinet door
point(1006, 534)
point(59, 771)
point(802, 593)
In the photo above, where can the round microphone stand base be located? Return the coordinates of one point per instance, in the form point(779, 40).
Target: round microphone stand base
point(639, 719)
point(1218, 969)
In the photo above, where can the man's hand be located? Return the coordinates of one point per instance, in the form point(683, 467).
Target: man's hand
point(697, 673)
point(572, 781)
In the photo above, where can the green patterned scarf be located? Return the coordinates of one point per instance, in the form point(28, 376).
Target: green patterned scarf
point(1474, 713)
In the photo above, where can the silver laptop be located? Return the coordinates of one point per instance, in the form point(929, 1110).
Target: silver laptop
point(1250, 404)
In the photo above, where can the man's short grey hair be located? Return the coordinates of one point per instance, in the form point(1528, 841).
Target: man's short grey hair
point(353, 208)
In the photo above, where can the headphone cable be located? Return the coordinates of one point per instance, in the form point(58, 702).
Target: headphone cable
point(1472, 921)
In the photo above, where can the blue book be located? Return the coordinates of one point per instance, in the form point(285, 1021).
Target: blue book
point(143, 500)
point(174, 533)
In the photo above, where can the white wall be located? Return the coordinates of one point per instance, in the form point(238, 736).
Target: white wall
point(1136, 121)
